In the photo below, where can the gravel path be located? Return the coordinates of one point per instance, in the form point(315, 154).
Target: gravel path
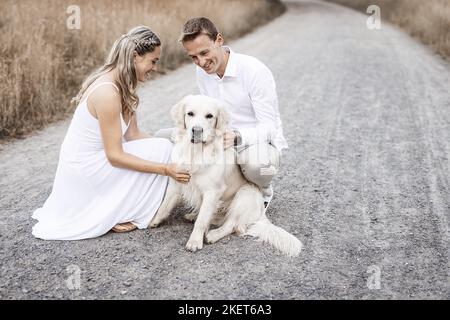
point(365, 184)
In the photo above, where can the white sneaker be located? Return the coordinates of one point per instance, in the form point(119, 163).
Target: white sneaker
point(267, 196)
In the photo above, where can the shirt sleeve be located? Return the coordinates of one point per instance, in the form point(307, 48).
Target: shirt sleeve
point(263, 95)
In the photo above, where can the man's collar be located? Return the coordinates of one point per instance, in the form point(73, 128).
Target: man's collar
point(231, 68)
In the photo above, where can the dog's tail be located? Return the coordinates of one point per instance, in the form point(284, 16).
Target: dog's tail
point(265, 231)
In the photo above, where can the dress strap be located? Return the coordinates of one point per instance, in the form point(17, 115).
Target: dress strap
point(99, 85)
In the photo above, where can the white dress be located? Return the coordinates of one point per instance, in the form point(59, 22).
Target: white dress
point(90, 196)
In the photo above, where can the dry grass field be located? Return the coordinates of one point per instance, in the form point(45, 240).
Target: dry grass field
point(429, 21)
point(43, 62)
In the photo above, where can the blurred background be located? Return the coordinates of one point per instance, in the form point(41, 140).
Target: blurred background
point(428, 21)
point(43, 62)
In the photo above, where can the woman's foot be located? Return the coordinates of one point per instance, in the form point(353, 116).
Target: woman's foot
point(124, 227)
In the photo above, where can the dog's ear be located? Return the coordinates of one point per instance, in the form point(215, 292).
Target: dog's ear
point(177, 113)
point(222, 118)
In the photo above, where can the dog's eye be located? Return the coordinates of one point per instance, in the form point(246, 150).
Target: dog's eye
point(209, 116)
point(190, 114)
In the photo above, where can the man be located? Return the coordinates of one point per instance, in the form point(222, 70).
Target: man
point(247, 89)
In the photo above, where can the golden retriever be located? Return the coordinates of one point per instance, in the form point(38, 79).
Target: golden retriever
point(217, 190)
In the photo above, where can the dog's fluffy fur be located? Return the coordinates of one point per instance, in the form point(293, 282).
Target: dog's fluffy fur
point(217, 190)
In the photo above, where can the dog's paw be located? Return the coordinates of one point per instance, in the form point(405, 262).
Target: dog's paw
point(153, 225)
point(194, 244)
point(213, 236)
point(191, 216)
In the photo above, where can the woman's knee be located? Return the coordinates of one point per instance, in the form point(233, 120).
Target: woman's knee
point(153, 149)
point(166, 148)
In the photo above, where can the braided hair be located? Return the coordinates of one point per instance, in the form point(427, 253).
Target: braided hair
point(140, 40)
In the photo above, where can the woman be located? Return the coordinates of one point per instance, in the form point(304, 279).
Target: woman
point(110, 175)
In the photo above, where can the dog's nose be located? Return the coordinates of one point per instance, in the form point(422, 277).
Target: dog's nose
point(197, 130)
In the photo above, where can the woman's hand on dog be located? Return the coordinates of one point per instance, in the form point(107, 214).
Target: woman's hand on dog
point(180, 175)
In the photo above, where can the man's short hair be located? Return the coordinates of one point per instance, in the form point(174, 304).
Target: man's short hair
point(196, 27)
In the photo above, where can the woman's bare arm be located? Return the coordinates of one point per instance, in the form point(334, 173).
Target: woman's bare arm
point(106, 102)
point(107, 107)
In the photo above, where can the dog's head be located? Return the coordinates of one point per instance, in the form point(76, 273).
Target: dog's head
point(200, 117)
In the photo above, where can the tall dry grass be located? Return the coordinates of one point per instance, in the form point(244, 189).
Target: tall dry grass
point(427, 20)
point(42, 62)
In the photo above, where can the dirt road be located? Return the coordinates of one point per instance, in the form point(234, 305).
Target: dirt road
point(364, 185)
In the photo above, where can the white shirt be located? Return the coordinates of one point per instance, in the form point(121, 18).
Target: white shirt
point(248, 91)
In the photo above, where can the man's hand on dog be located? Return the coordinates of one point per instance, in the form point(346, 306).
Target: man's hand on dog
point(228, 139)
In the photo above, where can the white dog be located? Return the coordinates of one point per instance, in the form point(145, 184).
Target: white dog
point(217, 190)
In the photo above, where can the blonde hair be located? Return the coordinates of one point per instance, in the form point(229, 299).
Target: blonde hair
point(140, 40)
